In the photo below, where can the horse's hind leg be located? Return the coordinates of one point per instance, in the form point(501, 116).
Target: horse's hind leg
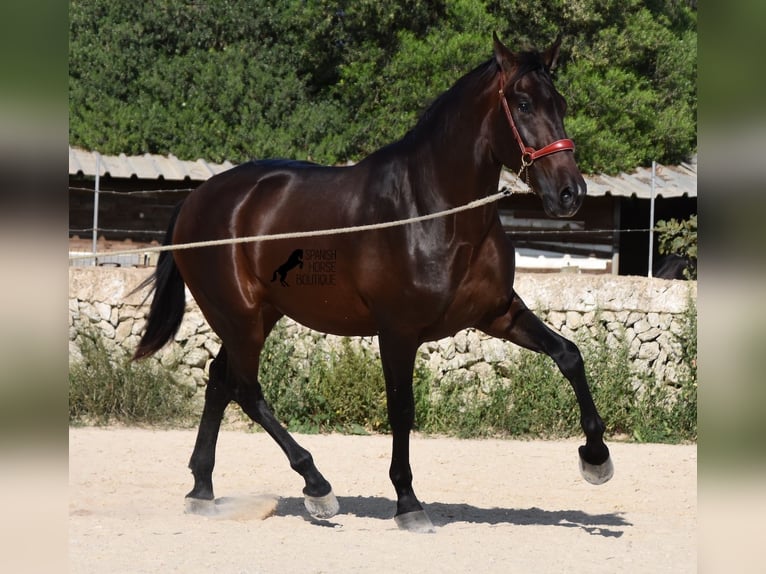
point(519, 325)
point(217, 396)
point(318, 496)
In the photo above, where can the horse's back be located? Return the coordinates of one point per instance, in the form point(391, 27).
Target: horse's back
point(259, 196)
point(251, 175)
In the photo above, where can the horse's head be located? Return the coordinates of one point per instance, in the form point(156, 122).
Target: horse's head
point(528, 128)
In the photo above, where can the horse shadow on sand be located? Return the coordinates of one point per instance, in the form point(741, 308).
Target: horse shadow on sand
point(610, 525)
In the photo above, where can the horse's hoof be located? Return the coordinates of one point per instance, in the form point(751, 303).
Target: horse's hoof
point(597, 473)
point(416, 521)
point(200, 506)
point(322, 507)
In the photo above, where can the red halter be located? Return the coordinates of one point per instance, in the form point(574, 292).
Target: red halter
point(530, 154)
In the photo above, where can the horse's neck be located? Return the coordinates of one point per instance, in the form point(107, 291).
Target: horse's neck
point(457, 165)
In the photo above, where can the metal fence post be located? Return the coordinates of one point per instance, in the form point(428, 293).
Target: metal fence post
point(95, 208)
point(651, 220)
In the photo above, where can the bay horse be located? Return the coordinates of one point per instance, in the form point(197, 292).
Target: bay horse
point(408, 284)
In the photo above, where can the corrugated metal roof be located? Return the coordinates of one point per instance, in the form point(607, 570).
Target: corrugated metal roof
point(147, 166)
point(671, 181)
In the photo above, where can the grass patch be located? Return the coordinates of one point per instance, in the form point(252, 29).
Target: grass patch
point(105, 387)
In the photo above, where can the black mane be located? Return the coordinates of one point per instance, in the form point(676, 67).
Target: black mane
point(473, 80)
point(468, 85)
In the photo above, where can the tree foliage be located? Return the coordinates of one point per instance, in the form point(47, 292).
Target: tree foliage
point(334, 80)
point(679, 238)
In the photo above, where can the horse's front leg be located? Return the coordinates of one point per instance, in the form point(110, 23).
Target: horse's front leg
point(398, 358)
point(519, 325)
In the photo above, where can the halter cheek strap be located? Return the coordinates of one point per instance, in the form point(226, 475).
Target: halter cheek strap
point(530, 154)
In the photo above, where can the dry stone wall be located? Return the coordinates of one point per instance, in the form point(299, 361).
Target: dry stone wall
point(648, 314)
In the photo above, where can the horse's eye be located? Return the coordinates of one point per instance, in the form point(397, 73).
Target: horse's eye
point(525, 107)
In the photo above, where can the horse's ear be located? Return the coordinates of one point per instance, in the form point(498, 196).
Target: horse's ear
point(503, 56)
point(551, 55)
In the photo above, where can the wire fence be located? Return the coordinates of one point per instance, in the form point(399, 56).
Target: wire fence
point(519, 232)
point(134, 192)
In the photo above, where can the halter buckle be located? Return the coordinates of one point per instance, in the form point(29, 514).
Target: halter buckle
point(527, 159)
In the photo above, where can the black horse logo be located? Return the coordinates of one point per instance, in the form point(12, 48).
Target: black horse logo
point(295, 260)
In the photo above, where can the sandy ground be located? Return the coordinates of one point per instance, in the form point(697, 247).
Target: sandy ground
point(498, 506)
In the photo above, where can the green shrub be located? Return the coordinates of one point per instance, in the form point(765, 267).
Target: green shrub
point(342, 389)
point(106, 387)
point(287, 387)
point(613, 380)
point(451, 406)
point(351, 380)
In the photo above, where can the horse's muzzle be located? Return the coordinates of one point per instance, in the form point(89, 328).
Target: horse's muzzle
point(568, 200)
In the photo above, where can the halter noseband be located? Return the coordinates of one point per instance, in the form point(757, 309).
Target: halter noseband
point(530, 154)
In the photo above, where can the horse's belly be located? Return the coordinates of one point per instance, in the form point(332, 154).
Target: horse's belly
point(320, 305)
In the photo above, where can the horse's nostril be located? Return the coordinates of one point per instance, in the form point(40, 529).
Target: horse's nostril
point(566, 196)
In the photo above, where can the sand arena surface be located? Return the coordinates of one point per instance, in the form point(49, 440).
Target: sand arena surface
point(498, 506)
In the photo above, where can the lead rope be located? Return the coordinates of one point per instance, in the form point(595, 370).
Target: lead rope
point(504, 192)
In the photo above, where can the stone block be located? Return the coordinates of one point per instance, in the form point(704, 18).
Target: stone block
point(186, 330)
point(622, 317)
point(212, 345)
point(104, 310)
point(463, 341)
point(123, 330)
point(556, 319)
point(447, 348)
point(106, 329)
point(612, 341)
point(493, 350)
point(573, 320)
point(649, 335)
point(608, 317)
point(196, 357)
point(633, 317)
point(649, 351)
point(641, 326)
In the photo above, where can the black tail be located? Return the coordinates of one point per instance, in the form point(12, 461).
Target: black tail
point(169, 302)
